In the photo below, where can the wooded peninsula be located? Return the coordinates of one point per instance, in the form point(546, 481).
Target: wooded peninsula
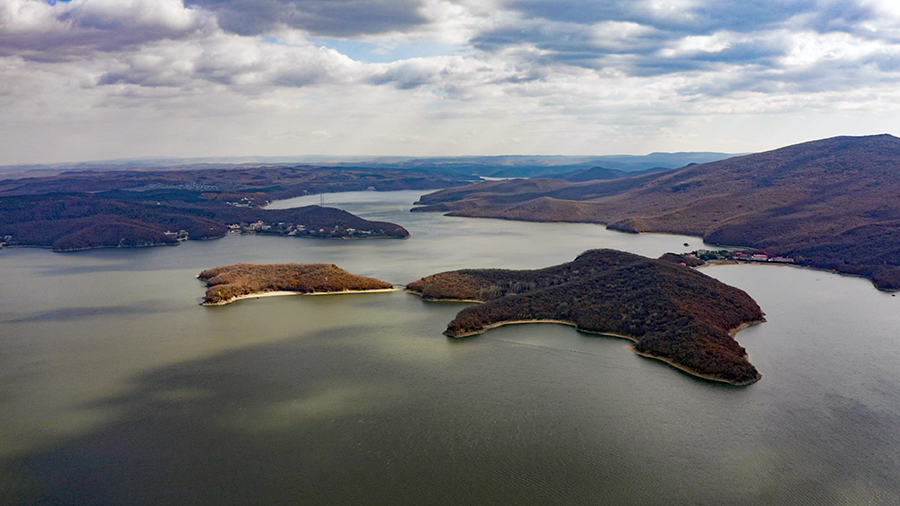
point(228, 283)
point(670, 311)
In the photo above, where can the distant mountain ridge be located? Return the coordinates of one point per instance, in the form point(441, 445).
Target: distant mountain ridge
point(595, 173)
point(831, 203)
point(489, 166)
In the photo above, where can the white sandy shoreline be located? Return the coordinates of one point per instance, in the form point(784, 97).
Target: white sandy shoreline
point(342, 292)
point(280, 293)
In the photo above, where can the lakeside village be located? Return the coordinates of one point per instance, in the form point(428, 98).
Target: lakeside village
point(739, 256)
point(281, 228)
point(289, 229)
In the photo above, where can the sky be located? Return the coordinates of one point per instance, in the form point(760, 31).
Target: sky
point(100, 79)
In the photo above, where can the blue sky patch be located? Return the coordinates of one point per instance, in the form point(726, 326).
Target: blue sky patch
point(379, 53)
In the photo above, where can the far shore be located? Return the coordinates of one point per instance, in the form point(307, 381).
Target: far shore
point(280, 293)
point(715, 262)
point(633, 339)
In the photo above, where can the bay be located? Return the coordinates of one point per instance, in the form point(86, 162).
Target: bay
point(116, 387)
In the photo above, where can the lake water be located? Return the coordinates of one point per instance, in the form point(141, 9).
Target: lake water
point(116, 387)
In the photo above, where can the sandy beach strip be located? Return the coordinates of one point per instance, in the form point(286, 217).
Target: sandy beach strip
point(343, 292)
point(280, 293)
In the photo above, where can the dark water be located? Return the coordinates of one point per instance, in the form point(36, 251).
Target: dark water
point(117, 388)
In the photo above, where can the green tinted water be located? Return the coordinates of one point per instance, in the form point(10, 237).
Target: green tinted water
point(116, 387)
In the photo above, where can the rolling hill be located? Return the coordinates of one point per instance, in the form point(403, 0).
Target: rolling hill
point(830, 204)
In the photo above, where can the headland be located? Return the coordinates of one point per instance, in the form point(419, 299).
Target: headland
point(671, 312)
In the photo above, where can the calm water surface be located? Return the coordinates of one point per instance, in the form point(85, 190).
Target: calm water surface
point(116, 387)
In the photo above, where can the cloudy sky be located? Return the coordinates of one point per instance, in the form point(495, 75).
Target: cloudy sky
point(100, 79)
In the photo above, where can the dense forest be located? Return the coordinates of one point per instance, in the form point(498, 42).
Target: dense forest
point(671, 311)
point(830, 204)
point(257, 185)
point(67, 222)
point(135, 208)
point(225, 283)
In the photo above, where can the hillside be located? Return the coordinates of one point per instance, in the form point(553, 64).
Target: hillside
point(830, 204)
point(69, 222)
point(230, 282)
point(672, 312)
point(134, 208)
point(250, 185)
point(596, 173)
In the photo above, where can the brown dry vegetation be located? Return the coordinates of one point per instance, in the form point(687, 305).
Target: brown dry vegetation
point(230, 281)
point(830, 204)
point(80, 221)
point(673, 312)
point(131, 208)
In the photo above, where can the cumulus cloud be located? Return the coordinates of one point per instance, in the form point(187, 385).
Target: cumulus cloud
point(650, 38)
point(37, 30)
point(245, 66)
point(220, 40)
point(335, 18)
point(701, 16)
point(481, 74)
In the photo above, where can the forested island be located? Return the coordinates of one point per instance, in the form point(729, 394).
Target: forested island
point(229, 283)
point(829, 204)
point(671, 312)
